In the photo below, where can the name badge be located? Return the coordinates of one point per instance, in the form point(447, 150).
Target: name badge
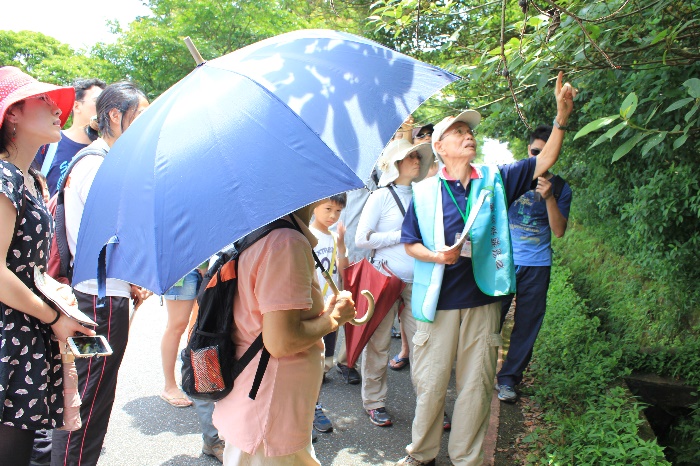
point(466, 246)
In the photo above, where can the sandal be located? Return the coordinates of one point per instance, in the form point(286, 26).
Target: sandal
point(398, 363)
point(176, 401)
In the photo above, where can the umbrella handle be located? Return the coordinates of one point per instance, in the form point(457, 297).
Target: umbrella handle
point(370, 299)
point(370, 309)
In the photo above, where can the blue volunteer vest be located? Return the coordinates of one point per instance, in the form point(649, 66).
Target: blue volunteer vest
point(492, 254)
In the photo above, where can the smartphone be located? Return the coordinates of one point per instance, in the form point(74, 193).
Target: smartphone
point(87, 347)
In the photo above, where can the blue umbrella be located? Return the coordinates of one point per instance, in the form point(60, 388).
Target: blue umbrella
point(241, 141)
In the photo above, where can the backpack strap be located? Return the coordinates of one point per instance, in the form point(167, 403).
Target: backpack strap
point(257, 345)
point(66, 270)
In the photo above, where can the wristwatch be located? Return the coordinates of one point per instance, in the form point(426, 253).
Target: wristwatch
point(556, 124)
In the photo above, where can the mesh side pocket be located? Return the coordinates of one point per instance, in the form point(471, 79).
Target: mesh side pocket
point(207, 370)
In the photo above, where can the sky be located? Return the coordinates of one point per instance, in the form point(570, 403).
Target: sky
point(78, 23)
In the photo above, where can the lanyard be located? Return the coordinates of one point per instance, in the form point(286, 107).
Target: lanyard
point(469, 202)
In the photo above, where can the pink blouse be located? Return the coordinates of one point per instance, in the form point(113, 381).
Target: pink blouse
point(275, 274)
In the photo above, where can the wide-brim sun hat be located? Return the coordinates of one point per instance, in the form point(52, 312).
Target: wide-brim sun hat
point(470, 117)
point(16, 85)
point(396, 151)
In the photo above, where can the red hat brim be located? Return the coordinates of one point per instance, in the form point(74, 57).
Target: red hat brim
point(63, 96)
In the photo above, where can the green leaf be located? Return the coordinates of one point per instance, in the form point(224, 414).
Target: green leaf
point(678, 104)
point(653, 142)
point(659, 36)
point(609, 134)
point(680, 141)
point(594, 125)
point(627, 146)
point(629, 105)
point(692, 111)
point(693, 85)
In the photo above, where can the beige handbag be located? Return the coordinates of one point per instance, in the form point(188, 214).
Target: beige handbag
point(71, 397)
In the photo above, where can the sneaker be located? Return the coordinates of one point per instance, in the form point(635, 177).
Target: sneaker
point(408, 459)
point(507, 394)
point(321, 421)
point(446, 422)
point(216, 450)
point(314, 435)
point(350, 375)
point(379, 417)
point(395, 333)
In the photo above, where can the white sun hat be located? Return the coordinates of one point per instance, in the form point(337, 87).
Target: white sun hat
point(396, 151)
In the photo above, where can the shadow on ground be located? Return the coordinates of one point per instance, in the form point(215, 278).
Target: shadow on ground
point(152, 416)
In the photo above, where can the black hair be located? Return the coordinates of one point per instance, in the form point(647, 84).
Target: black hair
point(5, 136)
point(541, 132)
point(340, 199)
point(81, 86)
point(124, 96)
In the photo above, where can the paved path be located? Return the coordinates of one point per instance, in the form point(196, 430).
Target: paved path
point(144, 430)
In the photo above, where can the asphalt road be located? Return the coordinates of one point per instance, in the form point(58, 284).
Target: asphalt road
point(144, 430)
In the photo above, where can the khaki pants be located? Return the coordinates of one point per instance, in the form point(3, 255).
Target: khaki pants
point(375, 356)
point(234, 456)
point(471, 337)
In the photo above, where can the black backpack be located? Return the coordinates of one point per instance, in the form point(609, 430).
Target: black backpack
point(209, 365)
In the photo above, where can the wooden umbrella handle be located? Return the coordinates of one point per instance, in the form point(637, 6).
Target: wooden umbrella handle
point(370, 309)
point(370, 299)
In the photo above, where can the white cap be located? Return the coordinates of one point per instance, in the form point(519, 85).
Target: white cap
point(470, 117)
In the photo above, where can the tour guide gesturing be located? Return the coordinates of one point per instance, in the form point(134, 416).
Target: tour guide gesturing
point(457, 305)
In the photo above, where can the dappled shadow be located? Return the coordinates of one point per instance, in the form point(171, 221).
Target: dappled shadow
point(354, 93)
point(152, 416)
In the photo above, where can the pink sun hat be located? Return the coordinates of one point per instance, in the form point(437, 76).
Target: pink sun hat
point(16, 85)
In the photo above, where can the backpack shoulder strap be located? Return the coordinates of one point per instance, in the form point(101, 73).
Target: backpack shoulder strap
point(74, 161)
point(257, 344)
point(65, 269)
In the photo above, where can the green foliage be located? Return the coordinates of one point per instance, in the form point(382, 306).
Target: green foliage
point(605, 433)
point(151, 51)
point(49, 60)
point(636, 67)
point(589, 419)
point(569, 339)
point(687, 439)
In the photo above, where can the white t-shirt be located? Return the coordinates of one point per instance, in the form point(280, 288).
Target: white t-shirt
point(380, 229)
point(75, 195)
point(324, 251)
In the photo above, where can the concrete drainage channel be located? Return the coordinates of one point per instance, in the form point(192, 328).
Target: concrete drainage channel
point(669, 401)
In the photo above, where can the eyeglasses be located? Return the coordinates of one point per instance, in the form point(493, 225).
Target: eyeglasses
point(414, 156)
point(535, 152)
point(461, 132)
point(45, 97)
point(423, 135)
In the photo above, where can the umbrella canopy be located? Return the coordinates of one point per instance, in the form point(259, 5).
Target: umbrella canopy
point(241, 141)
point(386, 289)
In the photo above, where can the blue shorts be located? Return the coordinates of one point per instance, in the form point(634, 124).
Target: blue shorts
point(187, 290)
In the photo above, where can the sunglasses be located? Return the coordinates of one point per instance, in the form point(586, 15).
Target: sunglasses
point(535, 152)
point(423, 135)
point(414, 156)
point(45, 97)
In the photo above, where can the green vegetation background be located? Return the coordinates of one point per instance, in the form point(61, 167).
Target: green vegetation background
point(624, 296)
